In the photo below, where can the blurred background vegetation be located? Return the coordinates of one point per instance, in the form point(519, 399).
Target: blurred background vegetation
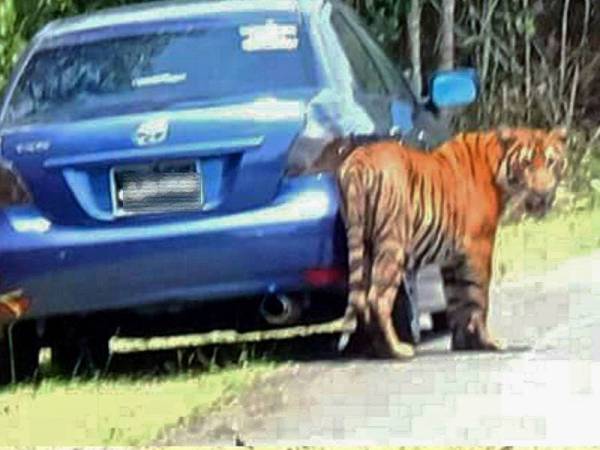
point(539, 61)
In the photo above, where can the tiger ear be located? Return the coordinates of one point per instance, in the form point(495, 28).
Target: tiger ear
point(505, 133)
point(506, 136)
point(560, 132)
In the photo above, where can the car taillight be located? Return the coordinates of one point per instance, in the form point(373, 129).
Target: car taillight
point(309, 149)
point(332, 129)
point(323, 277)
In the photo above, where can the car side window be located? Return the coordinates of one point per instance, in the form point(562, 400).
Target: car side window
point(395, 82)
point(365, 70)
point(397, 85)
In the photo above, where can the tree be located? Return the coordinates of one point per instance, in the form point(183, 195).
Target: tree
point(446, 61)
point(446, 54)
point(413, 24)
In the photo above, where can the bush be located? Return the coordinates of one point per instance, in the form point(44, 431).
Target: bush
point(12, 41)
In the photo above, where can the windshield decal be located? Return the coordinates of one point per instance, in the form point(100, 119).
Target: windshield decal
point(269, 36)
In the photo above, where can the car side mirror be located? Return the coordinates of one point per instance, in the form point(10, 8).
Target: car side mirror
point(454, 88)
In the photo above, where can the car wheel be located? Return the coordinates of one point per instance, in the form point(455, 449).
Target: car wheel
point(80, 355)
point(25, 351)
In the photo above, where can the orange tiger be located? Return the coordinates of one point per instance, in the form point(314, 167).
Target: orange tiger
point(404, 208)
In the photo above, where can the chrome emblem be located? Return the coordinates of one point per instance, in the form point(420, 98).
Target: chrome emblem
point(32, 147)
point(151, 132)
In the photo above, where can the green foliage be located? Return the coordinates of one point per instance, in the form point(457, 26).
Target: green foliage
point(12, 41)
point(385, 19)
point(584, 177)
point(536, 246)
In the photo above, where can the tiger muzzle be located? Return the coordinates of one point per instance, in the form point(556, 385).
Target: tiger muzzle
point(538, 204)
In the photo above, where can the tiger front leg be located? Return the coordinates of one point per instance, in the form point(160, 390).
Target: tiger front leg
point(466, 286)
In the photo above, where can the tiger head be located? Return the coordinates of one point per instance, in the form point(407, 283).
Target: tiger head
point(533, 165)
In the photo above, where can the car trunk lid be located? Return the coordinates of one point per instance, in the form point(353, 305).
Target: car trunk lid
point(236, 152)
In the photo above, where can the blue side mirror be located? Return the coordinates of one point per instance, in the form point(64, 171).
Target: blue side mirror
point(453, 88)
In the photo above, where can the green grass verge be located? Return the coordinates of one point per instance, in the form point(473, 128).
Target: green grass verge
point(537, 246)
point(117, 412)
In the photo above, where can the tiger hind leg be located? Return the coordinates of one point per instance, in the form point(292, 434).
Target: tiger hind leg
point(466, 289)
point(353, 205)
point(386, 278)
point(474, 336)
point(357, 342)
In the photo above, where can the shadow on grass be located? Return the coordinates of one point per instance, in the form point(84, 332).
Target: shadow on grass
point(214, 356)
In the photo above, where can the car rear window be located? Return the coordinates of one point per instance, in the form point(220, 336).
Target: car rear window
point(152, 70)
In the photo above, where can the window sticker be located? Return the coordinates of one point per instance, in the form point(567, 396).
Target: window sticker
point(269, 36)
point(162, 78)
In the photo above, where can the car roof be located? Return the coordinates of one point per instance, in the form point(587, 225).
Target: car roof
point(172, 10)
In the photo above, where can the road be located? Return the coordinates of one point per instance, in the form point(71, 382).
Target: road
point(545, 389)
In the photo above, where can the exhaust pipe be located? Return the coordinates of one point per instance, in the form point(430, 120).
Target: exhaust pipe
point(279, 309)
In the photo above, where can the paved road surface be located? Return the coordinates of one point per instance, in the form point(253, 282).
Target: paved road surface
point(544, 390)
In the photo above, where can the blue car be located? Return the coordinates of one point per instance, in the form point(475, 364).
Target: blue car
point(162, 163)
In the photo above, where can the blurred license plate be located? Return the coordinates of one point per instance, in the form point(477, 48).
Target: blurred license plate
point(156, 189)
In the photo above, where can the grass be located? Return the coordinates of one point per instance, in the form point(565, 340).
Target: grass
point(117, 412)
point(537, 246)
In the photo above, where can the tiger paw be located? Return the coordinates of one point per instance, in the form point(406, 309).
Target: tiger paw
point(496, 345)
point(464, 340)
point(393, 350)
point(402, 351)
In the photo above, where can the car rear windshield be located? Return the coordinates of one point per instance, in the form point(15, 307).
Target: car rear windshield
point(94, 77)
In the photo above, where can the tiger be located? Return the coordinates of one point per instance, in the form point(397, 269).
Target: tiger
point(404, 208)
point(12, 188)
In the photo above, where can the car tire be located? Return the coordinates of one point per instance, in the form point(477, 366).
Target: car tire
point(26, 348)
